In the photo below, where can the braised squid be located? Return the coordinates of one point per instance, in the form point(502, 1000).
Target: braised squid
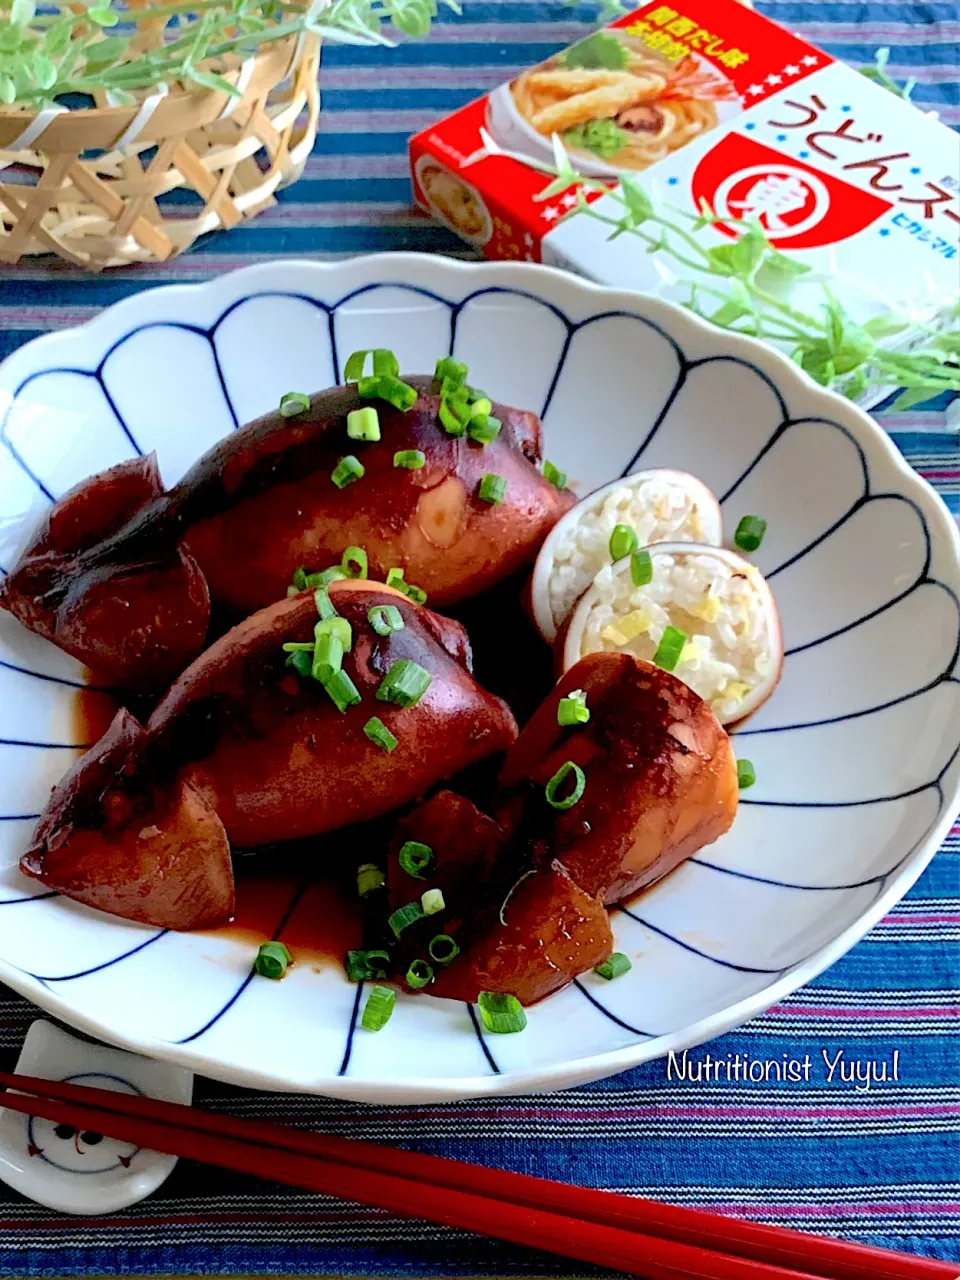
point(123, 575)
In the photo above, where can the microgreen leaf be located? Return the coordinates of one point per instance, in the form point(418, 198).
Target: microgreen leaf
point(63, 49)
point(912, 396)
point(885, 325)
point(779, 264)
point(210, 80)
point(22, 12)
point(103, 16)
point(817, 360)
point(639, 204)
point(878, 74)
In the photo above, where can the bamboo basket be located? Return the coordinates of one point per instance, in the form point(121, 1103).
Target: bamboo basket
point(73, 183)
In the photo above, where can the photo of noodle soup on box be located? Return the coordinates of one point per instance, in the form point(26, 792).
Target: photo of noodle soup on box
point(616, 104)
point(454, 201)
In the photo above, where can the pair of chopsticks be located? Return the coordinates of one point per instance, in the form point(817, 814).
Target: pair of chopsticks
point(641, 1237)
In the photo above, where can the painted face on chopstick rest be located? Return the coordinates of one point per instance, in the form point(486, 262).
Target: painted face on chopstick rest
point(268, 500)
point(655, 771)
point(246, 749)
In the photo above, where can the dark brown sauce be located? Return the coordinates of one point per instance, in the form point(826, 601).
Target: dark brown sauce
point(92, 712)
point(325, 924)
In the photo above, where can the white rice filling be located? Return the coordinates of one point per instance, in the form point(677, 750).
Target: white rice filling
point(658, 510)
point(729, 649)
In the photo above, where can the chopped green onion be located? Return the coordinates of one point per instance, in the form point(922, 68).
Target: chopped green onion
point(346, 471)
point(343, 692)
point(292, 403)
point(573, 708)
point(364, 965)
point(272, 960)
point(410, 459)
point(623, 540)
point(354, 562)
point(670, 648)
point(484, 430)
point(300, 578)
point(335, 626)
point(420, 974)
point(493, 488)
point(379, 1007)
point(554, 476)
point(400, 394)
point(390, 388)
point(746, 774)
point(292, 591)
point(379, 734)
point(450, 370)
point(557, 781)
point(750, 532)
point(404, 684)
point(293, 646)
point(384, 363)
point(333, 574)
point(617, 965)
point(481, 408)
point(416, 594)
point(414, 857)
point(395, 579)
point(404, 917)
point(324, 604)
point(451, 424)
point(443, 949)
point(369, 877)
point(500, 1012)
point(327, 656)
point(363, 424)
point(641, 568)
point(353, 369)
point(432, 902)
point(302, 661)
point(385, 619)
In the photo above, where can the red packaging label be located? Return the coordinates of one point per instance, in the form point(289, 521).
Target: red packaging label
point(799, 207)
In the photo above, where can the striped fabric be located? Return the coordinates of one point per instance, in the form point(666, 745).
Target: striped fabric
point(875, 1161)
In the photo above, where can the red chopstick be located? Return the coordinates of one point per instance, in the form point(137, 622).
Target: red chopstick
point(594, 1226)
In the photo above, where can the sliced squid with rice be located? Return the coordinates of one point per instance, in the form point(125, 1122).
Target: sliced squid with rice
point(704, 613)
point(659, 506)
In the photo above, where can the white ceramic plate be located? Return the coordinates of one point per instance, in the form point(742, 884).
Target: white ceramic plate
point(856, 754)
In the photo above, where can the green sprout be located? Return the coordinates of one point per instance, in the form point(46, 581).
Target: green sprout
point(85, 48)
point(739, 286)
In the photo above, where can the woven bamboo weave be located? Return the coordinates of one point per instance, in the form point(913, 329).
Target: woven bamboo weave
point(87, 184)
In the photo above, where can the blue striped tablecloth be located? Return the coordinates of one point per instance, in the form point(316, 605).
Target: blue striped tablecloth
point(881, 1165)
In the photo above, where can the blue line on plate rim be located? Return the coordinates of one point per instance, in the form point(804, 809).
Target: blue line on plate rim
point(33, 897)
point(284, 920)
point(602, 1008)
point(704, 955)
point(47, 978)
point(351, 1030)
point(478, 1032)
point(65, 680)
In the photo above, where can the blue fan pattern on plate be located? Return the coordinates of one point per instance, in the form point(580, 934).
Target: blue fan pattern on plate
point(866, 589)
